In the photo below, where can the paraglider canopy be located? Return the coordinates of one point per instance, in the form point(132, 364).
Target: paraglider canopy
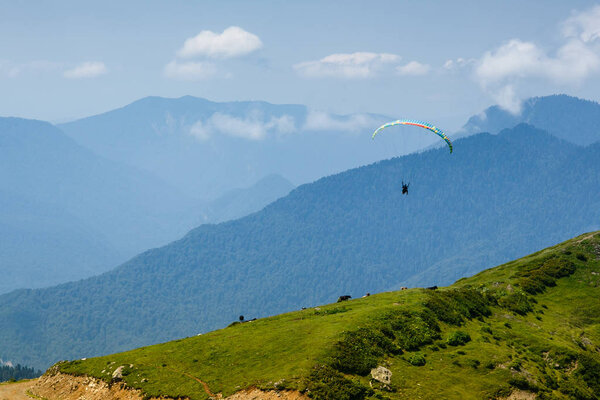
point(420, 124)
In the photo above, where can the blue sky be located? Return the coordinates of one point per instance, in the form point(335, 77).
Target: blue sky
point(435, 60)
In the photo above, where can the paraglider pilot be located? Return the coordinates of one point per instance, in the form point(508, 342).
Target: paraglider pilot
point(405, 187)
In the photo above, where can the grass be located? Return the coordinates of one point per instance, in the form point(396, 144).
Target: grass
point(530, 324)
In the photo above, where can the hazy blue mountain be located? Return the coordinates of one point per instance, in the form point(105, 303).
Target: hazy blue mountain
point(241, 202)
point(569, 118)
point(206, 148)
point(42, 245)
point(349, 233)
point(67, 212)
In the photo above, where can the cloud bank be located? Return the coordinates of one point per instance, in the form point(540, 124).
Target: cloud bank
point(251, 127)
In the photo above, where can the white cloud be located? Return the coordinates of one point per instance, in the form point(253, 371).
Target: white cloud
point(458, 63)
point(233, 42)
point(500, 71)
point(200, 131)
point(354, 65)
point(190, 71)
point(88, 69)
point(413, 68)
point(251, 127)
point(584, 25)
point(322, 121)
point(517, 63)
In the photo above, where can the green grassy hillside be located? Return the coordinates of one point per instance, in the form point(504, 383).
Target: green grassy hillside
point(532, 324)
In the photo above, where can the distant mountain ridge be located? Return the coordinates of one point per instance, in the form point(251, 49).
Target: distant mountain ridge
point(67, 213)
point(570, 118)
point(206, 148)
point(495, 198)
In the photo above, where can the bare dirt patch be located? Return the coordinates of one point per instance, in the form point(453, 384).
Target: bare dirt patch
point(16, 391)
point(68, 387)
point(256, 394)
point(521, 395)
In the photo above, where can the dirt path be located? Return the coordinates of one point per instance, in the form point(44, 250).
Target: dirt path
point(15, 391)
point(586, 237)
point(204, 384)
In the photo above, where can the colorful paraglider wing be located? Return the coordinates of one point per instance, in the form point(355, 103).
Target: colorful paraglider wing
point(420, 124)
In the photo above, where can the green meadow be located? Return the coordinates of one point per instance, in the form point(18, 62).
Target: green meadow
point(531, 325)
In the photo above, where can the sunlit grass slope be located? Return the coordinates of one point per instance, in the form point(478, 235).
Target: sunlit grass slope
point(531, 325)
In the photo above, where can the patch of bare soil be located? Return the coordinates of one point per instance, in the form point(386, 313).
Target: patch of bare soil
point(68, 387)
point(16, 391)
point(521, 395)
point(256, 394)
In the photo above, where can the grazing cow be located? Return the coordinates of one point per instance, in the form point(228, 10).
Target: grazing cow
point(432, 288)
point(344, 298)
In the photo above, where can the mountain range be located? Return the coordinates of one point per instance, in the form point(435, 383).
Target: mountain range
point(527, 329)
point(495, 198)
point(566, 117)
point(205, 148)
point(67, 213)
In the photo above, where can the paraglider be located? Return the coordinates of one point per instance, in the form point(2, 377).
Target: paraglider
point(405, 187)
point(420, 124)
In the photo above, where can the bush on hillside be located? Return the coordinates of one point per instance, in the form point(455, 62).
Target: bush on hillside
point(458, 338)
point(413, 329)
point(537, 278)
point(516, 302)
point(358, 351)
point(417, 359)
point(589, 371)
point(454, 306)
point(326, 383)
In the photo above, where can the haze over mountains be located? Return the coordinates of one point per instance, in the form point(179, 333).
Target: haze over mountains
point(569, 118)
point(67, 213)
point(206, 148)
point(496, 198)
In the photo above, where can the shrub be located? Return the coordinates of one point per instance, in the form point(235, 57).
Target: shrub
point(581, 257)
point(359, 350)
point(413, 329)
point(458, 338)
point(489, 365)
point(589, 370)
point(417, 359)
point(473, 363)
point(454, 306)
point(535, 279)
point(516, 302)
point(521, 383)
point(326, 383)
